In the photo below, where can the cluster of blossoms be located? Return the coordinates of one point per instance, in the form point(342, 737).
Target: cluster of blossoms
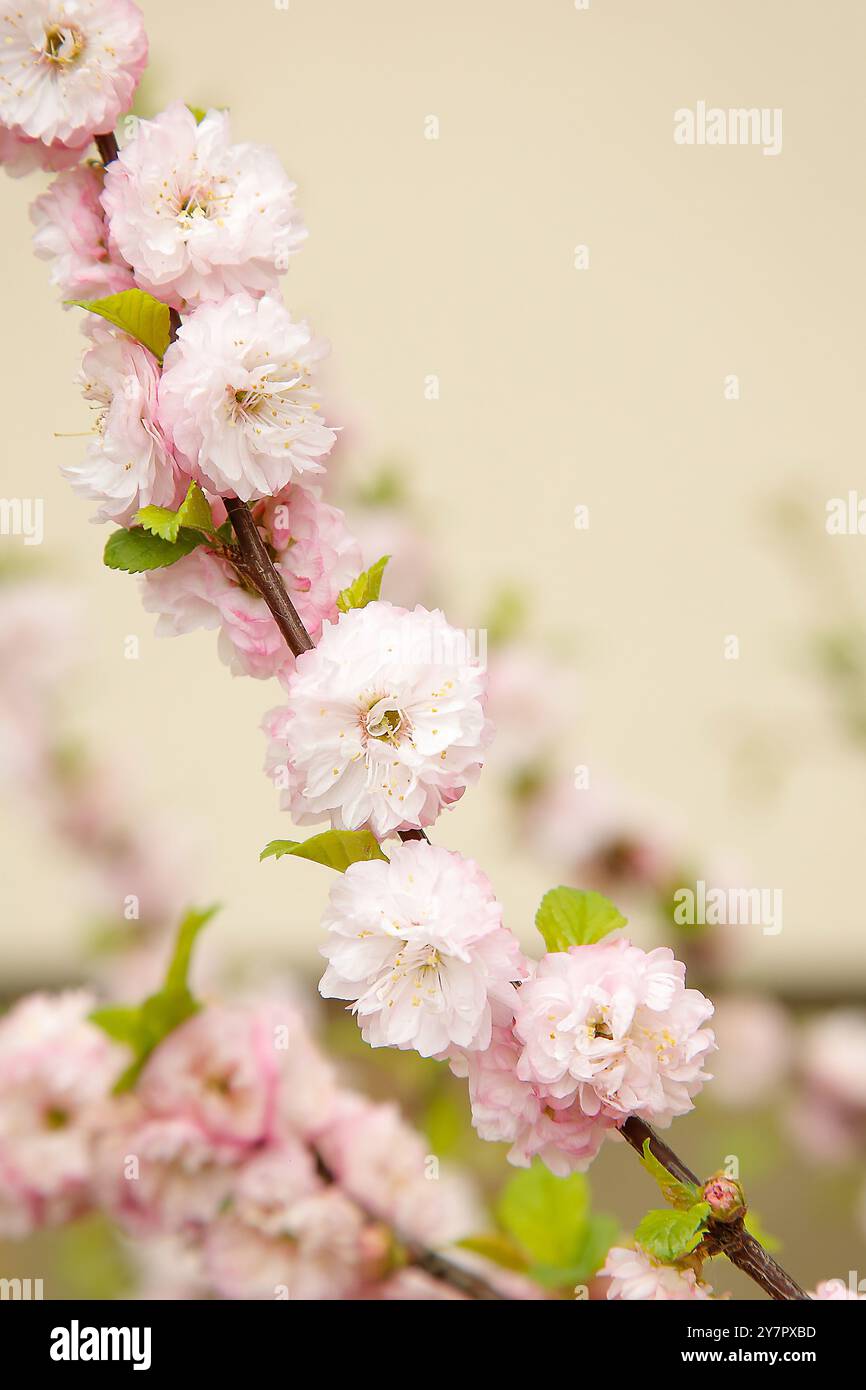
point(558, 1053)
point(238, 1150)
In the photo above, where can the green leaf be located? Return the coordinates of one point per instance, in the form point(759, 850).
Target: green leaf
point(679, 1194)
point(137, 313)
point(546, 1215)
point(575, 917)
point(364, 589)
point(142, 1027)
point(669, 1235)
point(337, 849)
point(198, 111)
point(137, 550)
point(194, 511)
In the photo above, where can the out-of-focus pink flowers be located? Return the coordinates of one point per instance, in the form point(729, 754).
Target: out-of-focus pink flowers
point(316, 557)
point(613, 1029)
point(285, 1234)
point(381, 1162)
point(55, 1071)
point(827, 1117)
point(71, 234)
point(40, 633)
point(836, 1290)
point(419, 947)
point(755, 1046)
point(129, 464)
point(197, 217)
point(237, 397)
point(385, 722)
point(635, 1276)
point(68, 68)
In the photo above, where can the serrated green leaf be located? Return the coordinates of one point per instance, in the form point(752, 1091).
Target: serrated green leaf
point(142, 1027)
point(337, 849)
point(575, 917)
point(679, 1194)
point(136, 550)
point(138, 314)
point(365, 589)
point(193, 512)
point(669, 1235)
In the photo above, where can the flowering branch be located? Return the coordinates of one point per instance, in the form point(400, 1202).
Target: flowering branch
point(730, 1239)
point(558, 1053)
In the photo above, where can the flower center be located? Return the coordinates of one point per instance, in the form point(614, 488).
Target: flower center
point(63, 44)
point(385, 721)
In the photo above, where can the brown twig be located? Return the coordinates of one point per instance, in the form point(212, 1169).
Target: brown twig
point(730, 1238)
point(107, 146)
point(263, 574)
point(433, 1262)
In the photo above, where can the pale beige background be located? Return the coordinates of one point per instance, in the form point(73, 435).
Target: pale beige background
point(558, 387)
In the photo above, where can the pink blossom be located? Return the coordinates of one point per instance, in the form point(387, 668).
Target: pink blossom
point(238, 401)
point(20, 155)
point(71, 234)
point(418, 945)
point(507, 1109)
point(56, 1070)
point(635, 1276)
point(316, 557)
point(613, 1028)
point(129, 465)
point(197, 217)
point(69, 68)
point(385, 722)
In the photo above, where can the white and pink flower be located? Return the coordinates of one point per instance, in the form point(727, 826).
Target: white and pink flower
point(71, 234)
point(419, 948)
point(614, 1029)
point(129, 465)
point(238, 401)
point(198, 217)
point(385, 722)
point(635, 1276)
point(68, 68)
point(507, 1109)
